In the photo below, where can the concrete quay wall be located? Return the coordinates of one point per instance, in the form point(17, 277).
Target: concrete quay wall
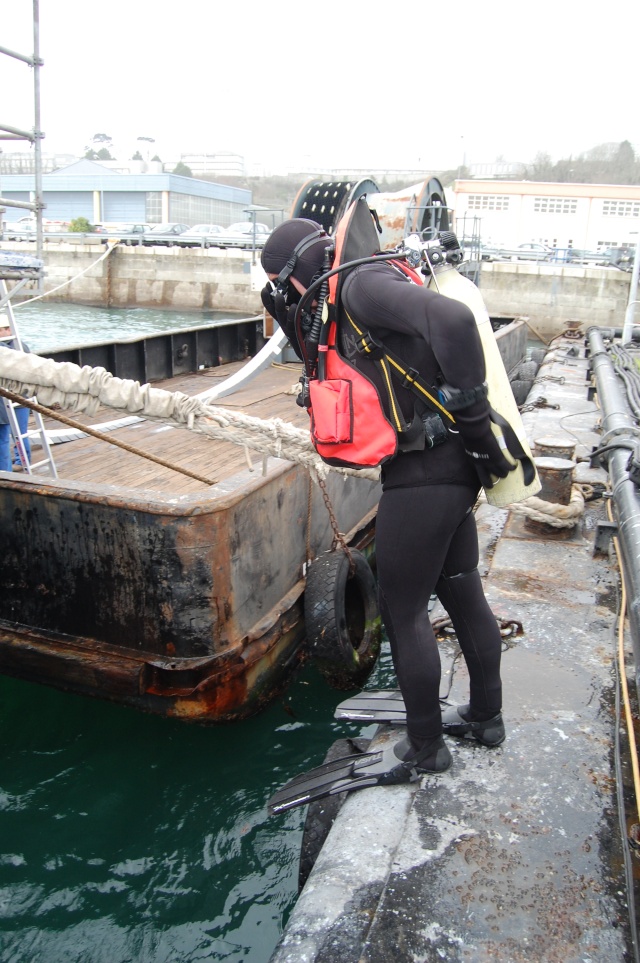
point(164, 277)
point(554, 296)
point(551, 296)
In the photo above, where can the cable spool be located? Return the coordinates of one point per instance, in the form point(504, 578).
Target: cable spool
point(420, 209)
point(326, 201)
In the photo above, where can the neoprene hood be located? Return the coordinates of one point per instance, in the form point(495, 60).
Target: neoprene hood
point(282, 242)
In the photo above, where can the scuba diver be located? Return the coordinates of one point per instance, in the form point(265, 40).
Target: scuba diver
point(426, 537)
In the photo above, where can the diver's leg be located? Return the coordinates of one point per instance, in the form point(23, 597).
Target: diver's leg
point(460, 591)
point(414, 529)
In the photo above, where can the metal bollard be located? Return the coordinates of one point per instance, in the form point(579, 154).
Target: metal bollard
point(556, 478)
point(554, 448)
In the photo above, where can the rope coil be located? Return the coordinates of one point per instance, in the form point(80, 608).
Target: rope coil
point(552, 513)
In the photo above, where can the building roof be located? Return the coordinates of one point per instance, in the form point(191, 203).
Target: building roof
point(547, 188)
point(87, 175)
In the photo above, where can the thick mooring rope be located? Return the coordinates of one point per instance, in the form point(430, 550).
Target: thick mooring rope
point(86, 430)
point(84, 389)
point(552, 513)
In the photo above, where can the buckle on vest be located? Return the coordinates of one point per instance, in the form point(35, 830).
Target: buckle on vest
point(368, 346)
point(410, 376)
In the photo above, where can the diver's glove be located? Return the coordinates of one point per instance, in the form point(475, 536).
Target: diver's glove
point(480, 443)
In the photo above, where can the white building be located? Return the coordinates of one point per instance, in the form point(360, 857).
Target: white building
point(586, 216)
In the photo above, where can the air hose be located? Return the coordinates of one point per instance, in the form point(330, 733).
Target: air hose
point(309, 345)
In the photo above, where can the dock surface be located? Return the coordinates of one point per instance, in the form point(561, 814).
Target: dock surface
point(515, 854)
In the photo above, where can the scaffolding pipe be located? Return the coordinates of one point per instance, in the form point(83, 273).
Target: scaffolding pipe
point(620, 434)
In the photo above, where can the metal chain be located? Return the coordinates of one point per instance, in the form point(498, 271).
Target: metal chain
point(443, 627)
point(338, 537)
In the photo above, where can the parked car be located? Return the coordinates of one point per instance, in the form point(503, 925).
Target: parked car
point(574, 255)
point(201, 235)
point(164, 234)
point(533, 252)
point(21, 229)
point(127, 233)
point(244, 233)
point(486, 252)
point(25, 228)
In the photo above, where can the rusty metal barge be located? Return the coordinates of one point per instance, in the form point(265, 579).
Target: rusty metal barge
point(125, 579)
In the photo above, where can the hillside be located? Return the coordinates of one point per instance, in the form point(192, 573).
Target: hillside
point(279, 193)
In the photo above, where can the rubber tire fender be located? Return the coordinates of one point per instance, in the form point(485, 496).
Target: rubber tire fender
point(342, 617)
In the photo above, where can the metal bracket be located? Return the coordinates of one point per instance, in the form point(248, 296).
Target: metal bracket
point(605, 531)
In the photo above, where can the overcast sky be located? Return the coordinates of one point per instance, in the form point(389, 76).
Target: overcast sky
point(326, 83)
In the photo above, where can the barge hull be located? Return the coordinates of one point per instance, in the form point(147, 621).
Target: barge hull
point(190, 607)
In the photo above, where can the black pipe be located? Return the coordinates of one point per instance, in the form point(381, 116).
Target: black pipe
point(614, 332)
point(618, 420)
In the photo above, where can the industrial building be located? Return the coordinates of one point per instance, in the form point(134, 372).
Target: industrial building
point(586, 216)
point(91, 190)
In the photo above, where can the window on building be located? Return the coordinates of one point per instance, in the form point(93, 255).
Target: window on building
point(488, 202)
point(621, 208)
point(554, 205)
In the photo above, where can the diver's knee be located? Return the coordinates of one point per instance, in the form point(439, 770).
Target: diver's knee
point(449, 577)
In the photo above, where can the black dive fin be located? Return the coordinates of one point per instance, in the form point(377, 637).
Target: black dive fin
point(377, 705)
point(357, 771)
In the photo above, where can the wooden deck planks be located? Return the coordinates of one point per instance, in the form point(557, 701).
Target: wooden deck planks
point(94, 460)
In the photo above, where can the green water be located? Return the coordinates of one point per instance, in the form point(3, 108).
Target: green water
point(126, 837)
point(46, 327)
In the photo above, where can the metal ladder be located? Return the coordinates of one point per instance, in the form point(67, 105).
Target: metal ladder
point(47, 463)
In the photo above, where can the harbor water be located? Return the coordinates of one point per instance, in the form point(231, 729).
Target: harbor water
point(46, 327)
point(127, 838)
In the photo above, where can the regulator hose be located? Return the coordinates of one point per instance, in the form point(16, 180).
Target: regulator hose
point(308, 347)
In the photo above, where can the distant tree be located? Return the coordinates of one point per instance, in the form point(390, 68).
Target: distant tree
point(625, 164)
point(137, 156)
point(608, 163)
point(447, 178)
point(182, 169)
point(80, 225)
point(103, 152)
point(542, 168)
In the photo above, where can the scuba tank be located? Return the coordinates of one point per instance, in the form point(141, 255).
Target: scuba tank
point(442, 256)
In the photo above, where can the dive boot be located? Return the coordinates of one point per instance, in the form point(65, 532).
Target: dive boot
point(433, 757)
point(489, 732)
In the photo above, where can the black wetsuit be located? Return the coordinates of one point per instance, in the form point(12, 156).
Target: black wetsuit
point(426, 538)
